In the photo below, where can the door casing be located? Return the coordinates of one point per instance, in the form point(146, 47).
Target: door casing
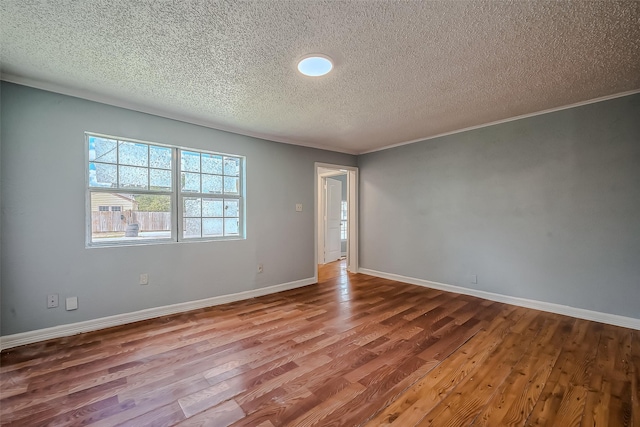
point(324, 170)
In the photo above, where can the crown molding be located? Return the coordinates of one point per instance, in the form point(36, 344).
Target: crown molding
point(167, 114)
point(116, 102)
point(510, 119)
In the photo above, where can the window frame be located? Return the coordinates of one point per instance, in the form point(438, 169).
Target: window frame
point(221, 196)
point(344, 212)
point(176, 196)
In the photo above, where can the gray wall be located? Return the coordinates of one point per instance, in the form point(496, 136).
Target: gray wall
point(343, 180)
point(43, 175)
point(546, 208)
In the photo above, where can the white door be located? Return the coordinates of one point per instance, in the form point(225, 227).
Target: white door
point(332, 243)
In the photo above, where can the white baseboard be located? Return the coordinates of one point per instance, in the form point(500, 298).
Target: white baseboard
point(30, 337)
point(580, 313)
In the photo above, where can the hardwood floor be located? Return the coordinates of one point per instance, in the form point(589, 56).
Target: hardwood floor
point(352, 350)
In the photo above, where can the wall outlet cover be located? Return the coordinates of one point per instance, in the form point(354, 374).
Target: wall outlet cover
point(298, 207)
point(52, 301)
point(72, 303)
point(144, 279)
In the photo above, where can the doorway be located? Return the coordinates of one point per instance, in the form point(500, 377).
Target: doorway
point(336, 214)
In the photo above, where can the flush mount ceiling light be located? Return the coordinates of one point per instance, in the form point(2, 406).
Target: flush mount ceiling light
point(315, 65)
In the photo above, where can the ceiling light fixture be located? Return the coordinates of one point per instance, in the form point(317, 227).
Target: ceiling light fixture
point(315, 65)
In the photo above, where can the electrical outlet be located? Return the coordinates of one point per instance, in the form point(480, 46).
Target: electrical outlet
point(72, 303)
point(52, 301)
point(144, 279)
point(298, 207)
point(474, 279)
point(260, 268)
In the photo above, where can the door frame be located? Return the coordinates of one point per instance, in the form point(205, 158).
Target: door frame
point(323, 170)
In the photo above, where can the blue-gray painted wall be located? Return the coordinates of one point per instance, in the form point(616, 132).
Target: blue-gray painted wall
point(545, 208)
point(43, 216)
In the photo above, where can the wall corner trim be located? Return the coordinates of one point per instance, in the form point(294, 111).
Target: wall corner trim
point(580, 313)
point(23, 338)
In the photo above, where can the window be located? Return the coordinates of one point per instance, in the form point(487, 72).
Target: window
point(343, 220)
point(210, 195)
point(138, 192)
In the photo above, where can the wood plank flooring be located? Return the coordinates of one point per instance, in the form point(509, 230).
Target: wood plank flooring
point(353, 350)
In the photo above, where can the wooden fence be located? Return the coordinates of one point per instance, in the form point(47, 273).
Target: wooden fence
point(104, 222)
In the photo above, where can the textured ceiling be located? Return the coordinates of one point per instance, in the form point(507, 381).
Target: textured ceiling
point(403, 70)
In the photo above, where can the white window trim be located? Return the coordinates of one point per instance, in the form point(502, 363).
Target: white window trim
point(176, 197)
point(181, 196)
point(346, 220)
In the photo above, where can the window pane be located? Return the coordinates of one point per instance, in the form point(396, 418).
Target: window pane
point(131, 153)
point(191, 207)
point(231, 185)
point(102, 175)
point(231, 166)
point(211, 184)
point(191, 227)
point(231, 227)
point(212, 207)
point(133, 177)
point(153, 203)
point(102, 149)
point(160, 179)
point(231, 208)
point(160, 157)
point(211, 164)
point(190, 161)
point(190, 182)
point(132, 217)
point(212, 227)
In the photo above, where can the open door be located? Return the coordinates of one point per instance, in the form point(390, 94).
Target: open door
point(332, 241)
point(337, 247)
